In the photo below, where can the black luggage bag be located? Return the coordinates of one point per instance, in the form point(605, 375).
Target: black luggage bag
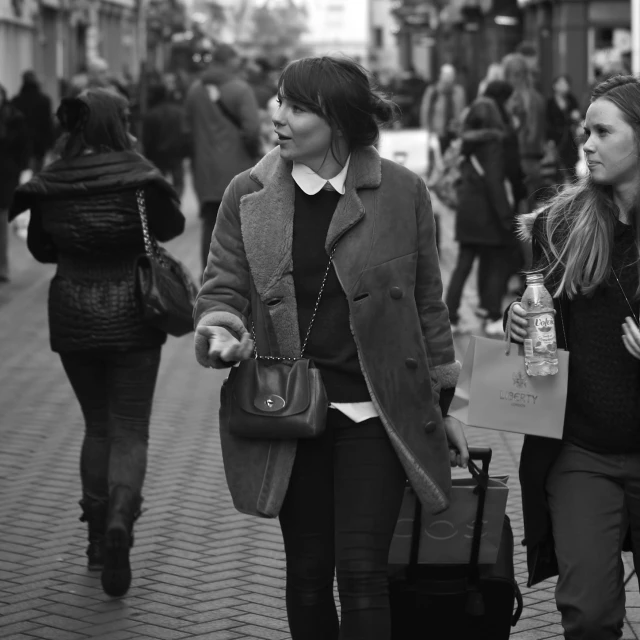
point(457, 602)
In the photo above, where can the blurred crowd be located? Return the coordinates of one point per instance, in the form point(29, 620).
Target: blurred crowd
point(491, 156)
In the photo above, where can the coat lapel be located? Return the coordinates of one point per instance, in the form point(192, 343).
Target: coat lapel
point(365, 172)
point(266, 217)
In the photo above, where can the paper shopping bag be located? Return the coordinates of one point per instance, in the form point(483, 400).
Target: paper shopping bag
point(495, 392)
point(445, 538)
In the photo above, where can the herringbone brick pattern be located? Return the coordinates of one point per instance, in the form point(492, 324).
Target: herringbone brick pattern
point(201, 570)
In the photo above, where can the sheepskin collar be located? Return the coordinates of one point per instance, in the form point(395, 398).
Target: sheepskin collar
point(267, 215)
point(525, 224)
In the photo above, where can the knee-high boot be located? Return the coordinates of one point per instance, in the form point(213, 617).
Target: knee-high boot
point(124, 510)
point(94, 513)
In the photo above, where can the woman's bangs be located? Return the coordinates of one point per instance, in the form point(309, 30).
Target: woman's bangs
point(300, 86)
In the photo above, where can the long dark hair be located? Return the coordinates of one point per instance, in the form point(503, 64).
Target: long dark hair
point(341, 92)
point(97, 120)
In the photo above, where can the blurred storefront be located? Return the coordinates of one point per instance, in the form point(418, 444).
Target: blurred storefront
point(580, 38)
point(56, 38)
point(470, 34)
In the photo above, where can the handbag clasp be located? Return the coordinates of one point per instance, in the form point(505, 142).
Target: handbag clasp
point(272, 402)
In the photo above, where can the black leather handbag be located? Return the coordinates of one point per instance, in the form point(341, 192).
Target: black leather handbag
point(279, 398)
point(165, 288)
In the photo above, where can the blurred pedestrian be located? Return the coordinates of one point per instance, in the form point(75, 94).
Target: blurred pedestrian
point(86, 219)
point(528, 109)
point(99, 76)
point(581, 494)
point(528, 50)
point(407, 89)
point(338, 495)
point(223, 117)
point(35, 105)
point(165, 139)
point(494, 72)
point(442, 105)
point(500, 91)
point(485, 211)
point(14, 157)
point(563, 120)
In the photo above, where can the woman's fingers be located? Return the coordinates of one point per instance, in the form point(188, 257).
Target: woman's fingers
point(518, 323)
point(631, 337)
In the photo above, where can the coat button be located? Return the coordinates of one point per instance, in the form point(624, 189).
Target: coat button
point(411, 363)
point(430, 426)
point(396, 293)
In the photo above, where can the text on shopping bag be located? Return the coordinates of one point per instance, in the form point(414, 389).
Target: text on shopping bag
point(446, 538)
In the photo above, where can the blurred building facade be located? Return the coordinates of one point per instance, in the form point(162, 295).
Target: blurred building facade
point(339, 27)
point(580, 38)
point(470, 34)
point(57, 38)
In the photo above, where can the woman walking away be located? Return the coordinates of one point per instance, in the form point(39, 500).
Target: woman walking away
point(563, 119)
point(85, 218)
point(485, 215)
point(581, 495)
point(323, 213)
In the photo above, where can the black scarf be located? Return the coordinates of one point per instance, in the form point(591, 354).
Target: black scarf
point(91, 174)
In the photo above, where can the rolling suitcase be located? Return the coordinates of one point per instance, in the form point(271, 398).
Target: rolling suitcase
point(456, 602)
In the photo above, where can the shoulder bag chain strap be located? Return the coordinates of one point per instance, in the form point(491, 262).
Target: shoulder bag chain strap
point(633, 313)
point(150, 246)
point(313, 318)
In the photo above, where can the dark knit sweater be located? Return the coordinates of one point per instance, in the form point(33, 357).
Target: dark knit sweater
point(331, 345)
point(603, 403)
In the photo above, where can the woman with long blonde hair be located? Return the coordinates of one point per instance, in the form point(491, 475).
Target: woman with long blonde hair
point(581, 495)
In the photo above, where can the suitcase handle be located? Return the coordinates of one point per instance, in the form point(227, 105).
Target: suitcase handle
point(483, 454)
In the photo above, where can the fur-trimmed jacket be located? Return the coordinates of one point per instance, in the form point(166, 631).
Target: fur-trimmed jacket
point(387, 265)
point(539, 454)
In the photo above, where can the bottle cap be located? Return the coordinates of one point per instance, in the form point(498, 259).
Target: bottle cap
point(536, 277)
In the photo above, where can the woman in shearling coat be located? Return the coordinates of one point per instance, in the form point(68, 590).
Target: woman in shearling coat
point(381, 340)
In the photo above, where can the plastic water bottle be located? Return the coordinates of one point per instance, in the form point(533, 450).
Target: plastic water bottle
point(540, 346)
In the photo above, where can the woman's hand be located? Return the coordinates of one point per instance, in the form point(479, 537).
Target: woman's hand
point(518, 322)
point(223, 345)
point(631, 337)
point(459, 451)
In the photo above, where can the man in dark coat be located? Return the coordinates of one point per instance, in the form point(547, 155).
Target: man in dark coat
point(164, 138)
point(36, 108)
point(223, 116)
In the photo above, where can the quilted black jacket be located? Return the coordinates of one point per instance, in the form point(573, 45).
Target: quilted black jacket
point(84, 217)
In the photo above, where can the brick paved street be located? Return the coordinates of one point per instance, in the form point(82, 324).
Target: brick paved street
point(201, 570)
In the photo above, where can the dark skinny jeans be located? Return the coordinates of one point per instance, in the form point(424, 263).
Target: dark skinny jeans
point(115, 391)
point(493, 275)
point(339, 515)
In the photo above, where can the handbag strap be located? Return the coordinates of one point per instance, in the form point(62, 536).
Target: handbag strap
point(313, 318)
point(150, 245)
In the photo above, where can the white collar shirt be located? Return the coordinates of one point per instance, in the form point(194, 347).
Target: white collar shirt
point(311, 183)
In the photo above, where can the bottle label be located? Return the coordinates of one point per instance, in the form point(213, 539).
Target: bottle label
point(542, 335)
